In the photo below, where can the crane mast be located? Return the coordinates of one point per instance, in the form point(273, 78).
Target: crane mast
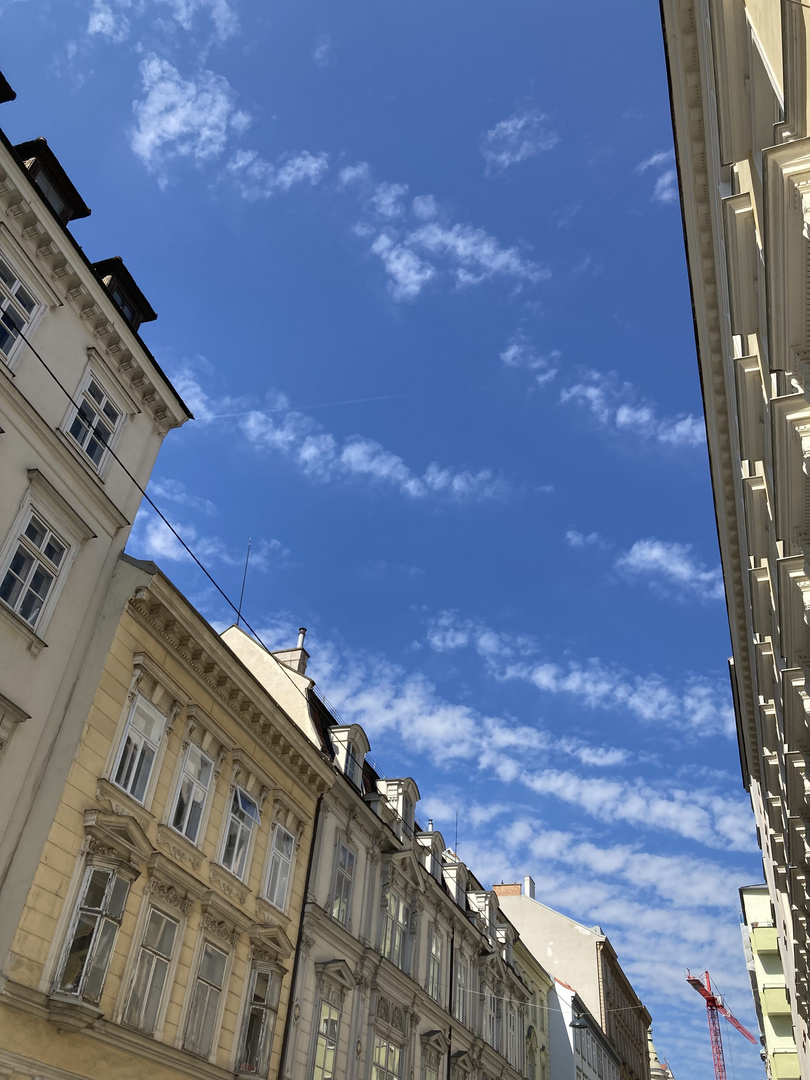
point(714, 1009)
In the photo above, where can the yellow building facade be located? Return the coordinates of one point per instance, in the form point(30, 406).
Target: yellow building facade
point(160, 929)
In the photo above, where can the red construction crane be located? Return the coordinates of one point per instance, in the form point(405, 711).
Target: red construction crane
point(715, 1008)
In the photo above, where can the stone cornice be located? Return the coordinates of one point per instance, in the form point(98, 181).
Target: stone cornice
point(71, 279)
point(691, 77)
point(192, 640)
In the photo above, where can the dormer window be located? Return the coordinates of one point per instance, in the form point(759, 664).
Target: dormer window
point(51, 181)
point(124, 291)
point(350, 746)
point(352, 769)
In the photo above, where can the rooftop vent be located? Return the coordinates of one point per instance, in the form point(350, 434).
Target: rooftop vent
point(126, 295)
point(51, 180)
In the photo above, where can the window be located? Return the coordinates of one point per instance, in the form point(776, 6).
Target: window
point(278, 873)
point(431, 1071)
point(341, 894)
point(490, 1018)
point(93, 933)
point(511, 1036)
point(244, 815)
point(94, 423)
point(387, 1061)
point(136, 757)
point(33, 568)
point(202, 1016)
point(326, 1043)
point(395, 929)
point(260, 1022)
point(192, 791)
point(460, 1003)
point(150, 971)
point(434, 985)
point(16, 308)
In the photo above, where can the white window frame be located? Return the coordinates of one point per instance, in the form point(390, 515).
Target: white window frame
point(434, 973)
point(461, 989)
point(490, 1017)
point(105, 916)
point(170, 962)
point(395, 930)
point(8, 299)
point(268, 1012)
point(19, 540)
point(326, 1011)
point(158, 747)
point(234, 794)
point(343, 881)
point(278, 858)
point(381, 1071)
point(512, 1036)
point(81, 397)
point(183, 1029)
point(199, 836)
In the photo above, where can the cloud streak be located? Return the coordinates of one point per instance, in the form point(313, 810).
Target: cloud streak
point(670, 564)
point(519, 137)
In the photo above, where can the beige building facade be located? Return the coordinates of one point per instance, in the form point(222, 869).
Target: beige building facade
point(84, 408)
point(160, 929)
point(740, 96)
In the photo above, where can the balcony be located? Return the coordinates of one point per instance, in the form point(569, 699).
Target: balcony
point(774, 1001)
point(785, 1065)
point(764, 939)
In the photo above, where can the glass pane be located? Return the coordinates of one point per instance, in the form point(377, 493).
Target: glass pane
point(95, 391)
point(193, 1039)
point(96, 889)
point(253, 1040)
point(6, 274)
point(142, 771)
point(129, 756)
point(54, 550)
point(77, 954)
point(101, 960)
point(154, 995)
point(140, 985)
point(25, 300)
point(179, 819)
point(111, 413)
point(36, 532)
point(261, 986)
point(212, 965)
point(11, 588)
point(148, 720)
point(248, 806)
point(194, 814)
point(118, 898)
point(210, 1020)
point(199, 766)
point(284, 842)
point(95, 450)
point(240, 848)
point(41, 582)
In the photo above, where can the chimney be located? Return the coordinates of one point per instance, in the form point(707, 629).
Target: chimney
point(295, 658)
point(511, 889)
point(528, 887)
point(430, 824)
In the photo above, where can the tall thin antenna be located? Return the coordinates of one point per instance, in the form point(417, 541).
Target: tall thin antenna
point(244, 579)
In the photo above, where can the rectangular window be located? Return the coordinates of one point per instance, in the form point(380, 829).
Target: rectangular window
point(244, 815)
point(192, 791)
point(431, 1072)
point(150, 971)
point(260, 1023)
point(326, 1043)
point(387, 1061)
point(395, 930)
point(33, 568)
point(344, 872)
point(16, 308)
point(490, 1019)
point(93, 933)
point(352, 765)
point(202, 1016)
point(95, 421)
point(434, 986)
point(278, 873)
point(460, 1003)
point(139, 746)
point(511, 1037)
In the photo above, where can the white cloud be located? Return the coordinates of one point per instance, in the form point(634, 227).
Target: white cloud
point(578, 539)
point(151, 538)
point(354, 174)
point(408, 273)
point(322, 458)
point(672, 564)
point(666, 185)
point(424, 207)
point(109, 23)
point(175, 491)
point(518, 138)
point(260, 179)
point(478, 256)
point(322, 53)
point(618, 408)
point(698, 707)
point(387, 200)
point(182, 117)
point(223, 16)
point(520, 353)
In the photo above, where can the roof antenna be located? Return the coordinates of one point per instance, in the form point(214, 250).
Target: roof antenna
point(244, 579)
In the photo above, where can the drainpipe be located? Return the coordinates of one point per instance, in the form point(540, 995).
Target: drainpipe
point(291, 1004)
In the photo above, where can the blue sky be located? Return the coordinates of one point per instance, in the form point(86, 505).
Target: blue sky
point(419, 270)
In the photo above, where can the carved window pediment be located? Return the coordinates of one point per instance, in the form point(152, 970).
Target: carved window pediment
point(338, 972)
point(435, 1042)
point(271, 940)
point(116, 836)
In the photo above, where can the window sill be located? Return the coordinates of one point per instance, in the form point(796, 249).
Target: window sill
point(270, 913)
point(35, 643)
point(70, 1013)
point(121, 803)
point(229, 884)
point(180, 849)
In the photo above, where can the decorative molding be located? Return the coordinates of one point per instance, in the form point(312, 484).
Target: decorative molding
point(121, 803)
point(180, 849)
point(231, 886)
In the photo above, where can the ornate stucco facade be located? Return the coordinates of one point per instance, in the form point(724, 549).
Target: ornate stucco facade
point(79, 395)
point(740, 97)
point(159, 933)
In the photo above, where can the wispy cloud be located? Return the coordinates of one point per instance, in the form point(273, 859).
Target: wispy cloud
point(577, 539)
point(223, 16)
point(618, 407)
point(322, 457)
point(108, 20)
point(257, 178)
point(521, 353)
point(191, 118)
point(521, 136)
point(323, 51)
point(175, 491)
point(698, 707)
point(418, 244)
point(666, 184)
point(664, 563)
point(152, 539)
